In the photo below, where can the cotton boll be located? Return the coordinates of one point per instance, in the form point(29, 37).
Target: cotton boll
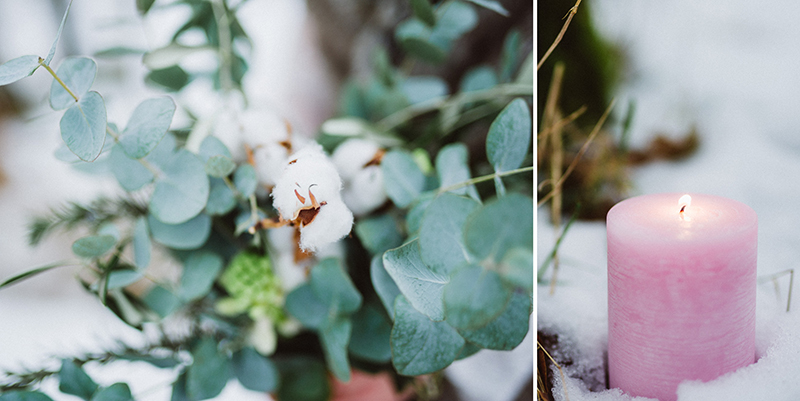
point(365, 191)
point(331, 224)
point(270, 160)
point(351, 156)
point(308, 174)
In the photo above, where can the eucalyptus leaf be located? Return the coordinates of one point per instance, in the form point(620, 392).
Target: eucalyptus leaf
point(52, 51)
point(473, 297)
point(479, 78)
point(147, 126)
point(506, 331)
point(510, 56)
point(509, 137)
point(378, 233)
point(212, 146)
point(199, 273)
point(220, 198)
point(93, 246)
point(383, 283)
point(306, 307)
point(419, 345)
point(468, 350)
point(334, 336)
point(114, 392)
point(141, 244)
point(78, 74)
point(181, 191)
point(424, 11)
point(130, 173)
point(500, 225)
point(189, 235)
point(454, 19)
point(15, 69)
point(403, 179)
point(171, 78)
point(144, 6)
point(516, 268)
point(83, 126)
point(452, 168)
point(417, 211)
point(441, 240)
point(255, 371)
point(122, 278)
point(421, 88)
point(369, 339)
point(118, 51)
point(219, 166)
point(162, 301)
point(245, 180)
point(73, 380)
point(420, 284)
point(24, 396)
point(171, 55)
point(333, 287)
point(209, 372)
point(414, 37)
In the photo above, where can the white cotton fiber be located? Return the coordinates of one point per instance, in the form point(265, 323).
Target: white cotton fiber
point(364, 191)
point(352, 155)
point(331, 224)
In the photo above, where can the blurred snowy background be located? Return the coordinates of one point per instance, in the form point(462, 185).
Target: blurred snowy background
point(731, 71)
point(51, 315)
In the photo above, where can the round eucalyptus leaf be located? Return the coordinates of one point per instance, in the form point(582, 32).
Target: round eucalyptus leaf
point(93, 246)
point(517, 268)
point(188, 235)
point(73, 380)
point(420, 284)
point(219, 166)
point(413, 36)
point(114, 392)
point(507, 330)
point(419, 345)
point(130, 173)
point(78, 74)
point(306, 307)
point(473, 297)
point(379, 233)
point(199, 273)
point(181, 191)
point(424, 11)
point(383, 283)
point(212, 146)
point(500, 225)
point(255, 371)
point(15, 69)
point(452, 167)
point(245, 180)
point(83, 126)
point(209, 372)
point(148, 124)
point(122, 278)
point(162, 301)
point(441, 242)
point(479, 78)
point(220, 198)
point(454, 19)
point(421, 88)
point(370, 337)
point(402, 178)
point(509, 137)
point(333, 286)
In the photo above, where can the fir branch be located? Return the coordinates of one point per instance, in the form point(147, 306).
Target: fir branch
point(94, 215)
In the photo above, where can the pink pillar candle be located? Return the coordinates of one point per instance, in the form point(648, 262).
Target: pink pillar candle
point(681, 291)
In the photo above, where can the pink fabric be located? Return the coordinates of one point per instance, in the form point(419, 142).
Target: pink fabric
point(681, 291)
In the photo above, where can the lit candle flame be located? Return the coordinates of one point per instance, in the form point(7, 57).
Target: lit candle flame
point(684, 202)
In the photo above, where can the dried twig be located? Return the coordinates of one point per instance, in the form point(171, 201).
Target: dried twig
point(561, 123)
point(560, 371)
point(774, 279)
point(570, 14)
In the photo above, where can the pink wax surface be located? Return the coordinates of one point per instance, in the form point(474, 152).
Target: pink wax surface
point(681, 291)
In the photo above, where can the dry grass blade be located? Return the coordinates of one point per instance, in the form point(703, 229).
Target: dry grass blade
point(583, 149)
point(562, 122)
point(550, 107)
point(774, 279)
point(570, 14)
point(560, 371)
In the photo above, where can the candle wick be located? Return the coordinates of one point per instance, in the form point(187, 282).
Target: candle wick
point(683, 208)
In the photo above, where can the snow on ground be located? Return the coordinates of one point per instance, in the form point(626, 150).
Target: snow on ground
point(731, 71)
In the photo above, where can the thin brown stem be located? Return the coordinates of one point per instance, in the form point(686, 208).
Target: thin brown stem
point(570, 14)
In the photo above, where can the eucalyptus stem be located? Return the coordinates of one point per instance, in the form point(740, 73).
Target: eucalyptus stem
point(394, 120)
point(224, 37)
point(485, 178)
point(53, 73)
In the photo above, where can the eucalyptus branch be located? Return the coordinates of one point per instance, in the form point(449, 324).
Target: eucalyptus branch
point(507, 90)
point(53, 73)
point(485, 178)
point(152, 169)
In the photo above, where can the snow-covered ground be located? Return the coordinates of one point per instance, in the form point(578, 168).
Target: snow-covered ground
point(731, 70)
